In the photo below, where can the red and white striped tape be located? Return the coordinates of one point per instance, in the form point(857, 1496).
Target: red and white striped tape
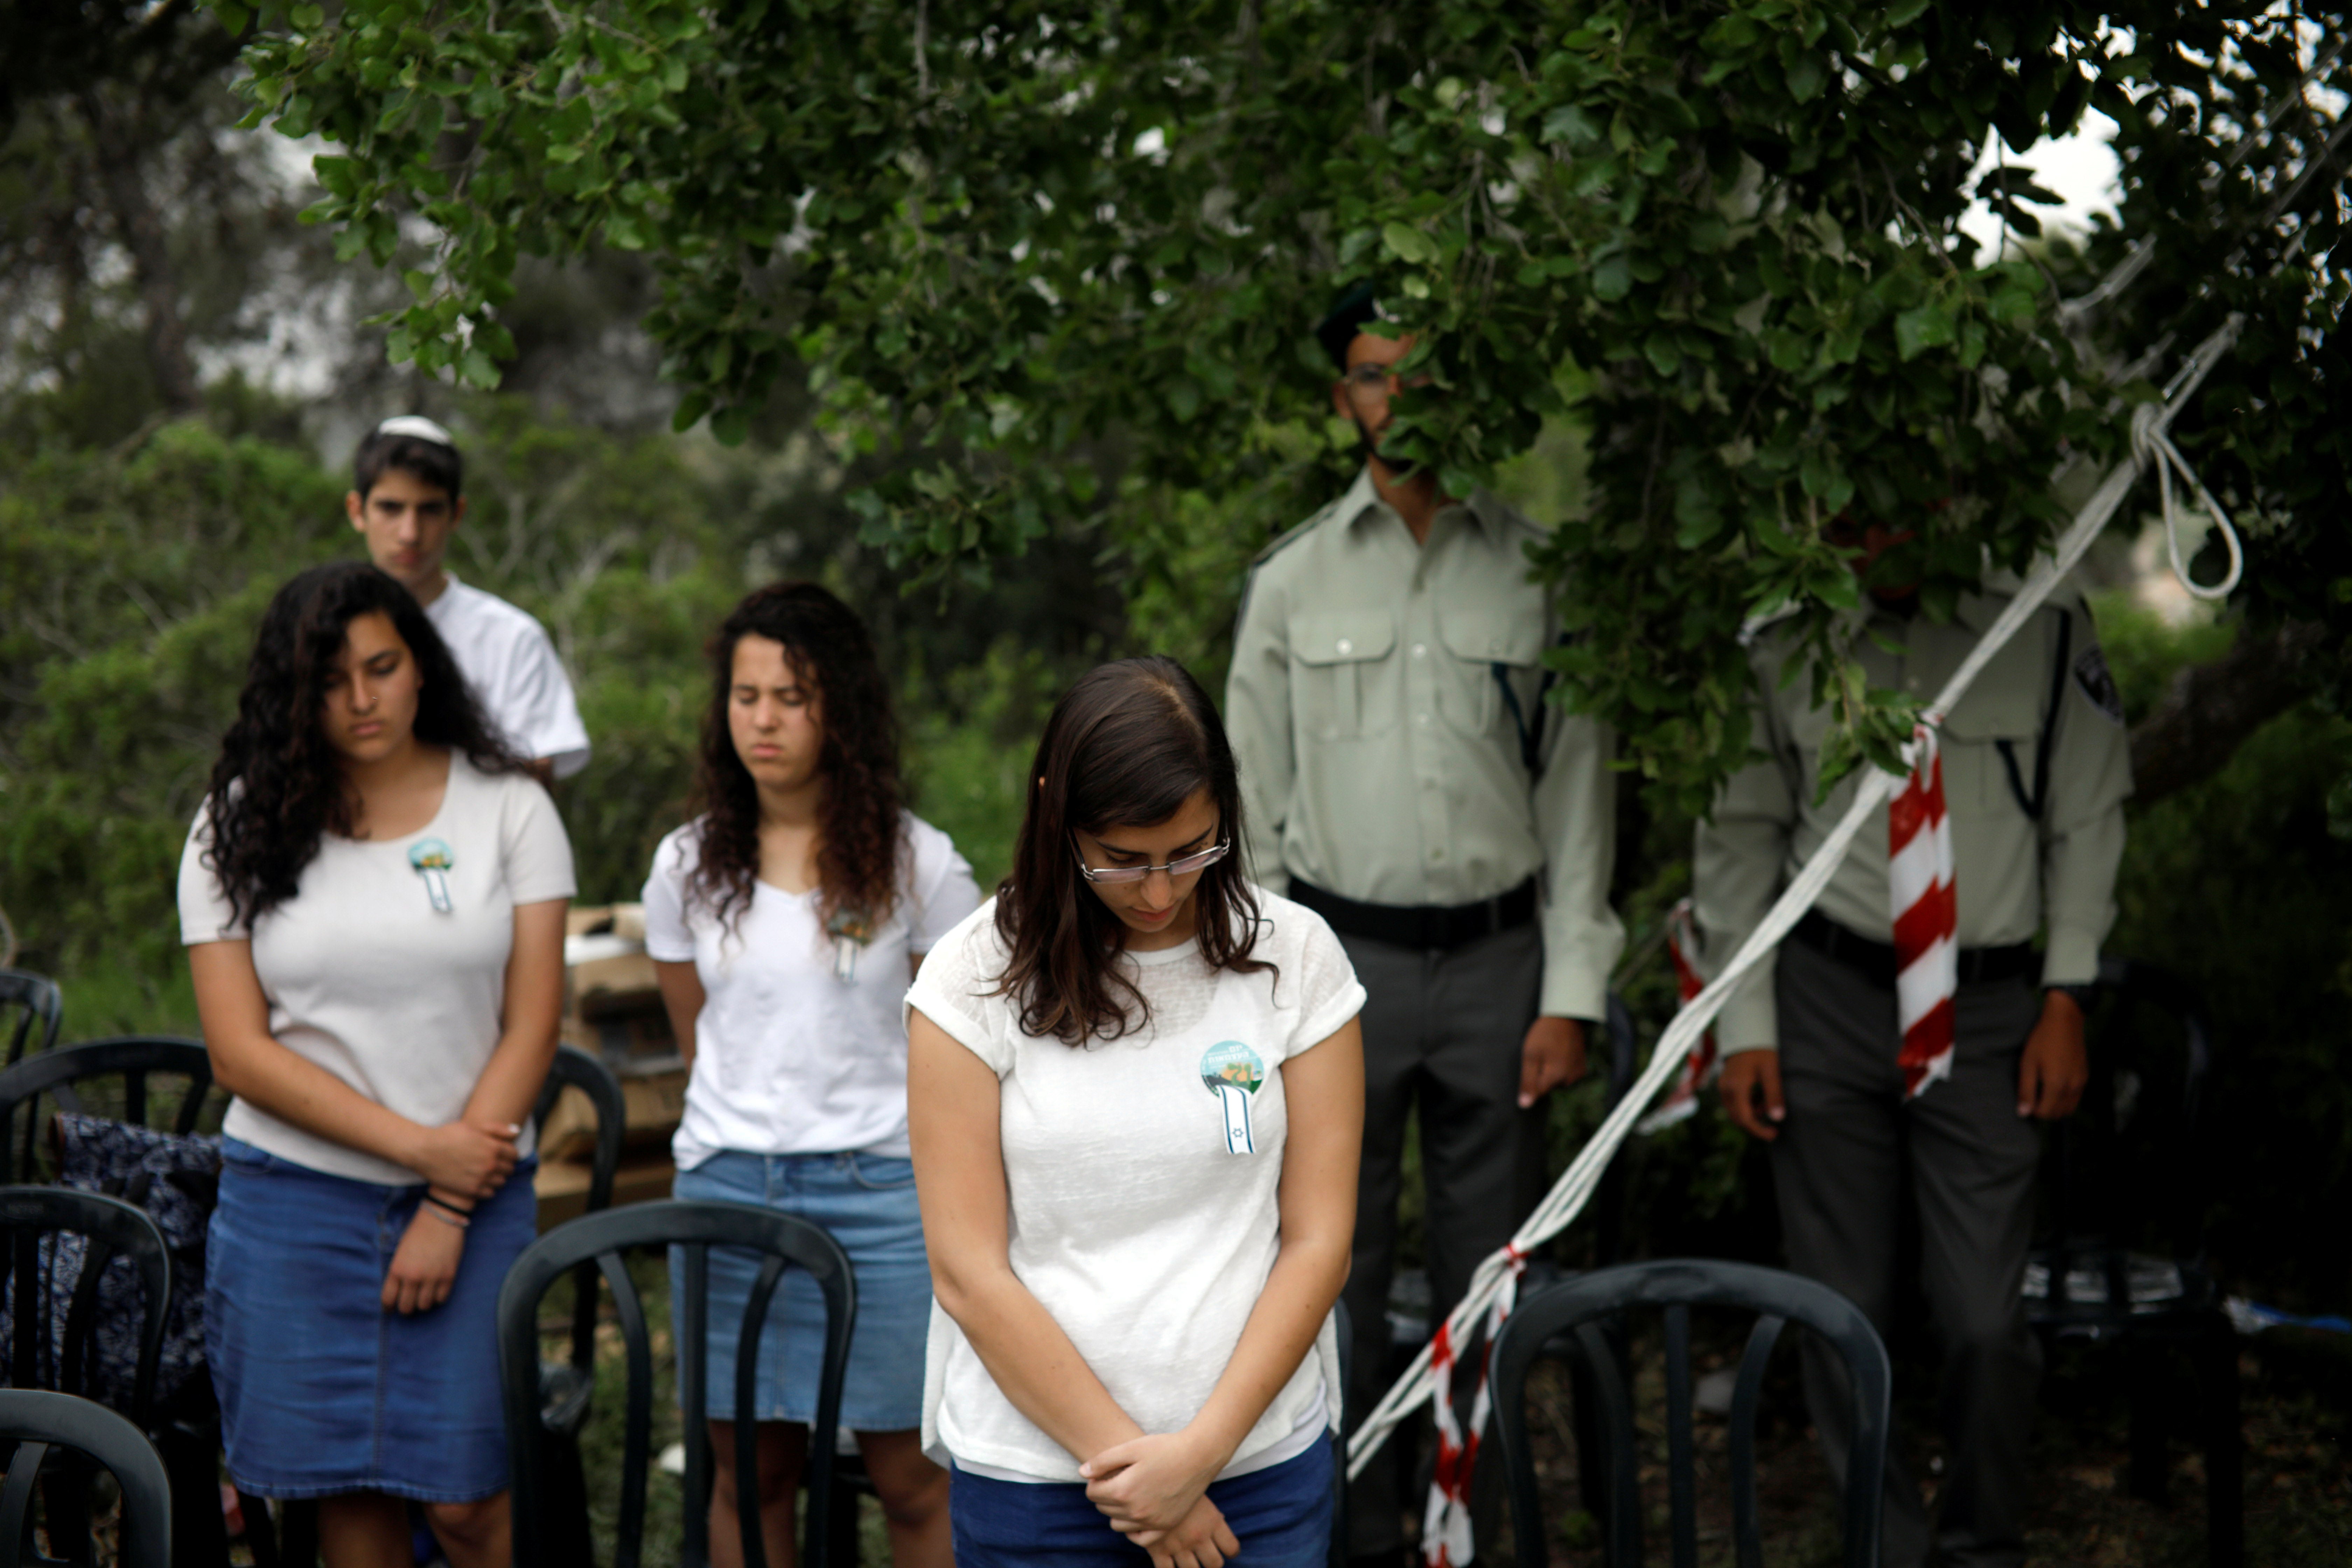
point(1920, 891)
point(1699, 1067)
point(1445, 1526)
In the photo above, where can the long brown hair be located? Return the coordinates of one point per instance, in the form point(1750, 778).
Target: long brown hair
point(860, 826)
point(1125, 747)
point(277, 786)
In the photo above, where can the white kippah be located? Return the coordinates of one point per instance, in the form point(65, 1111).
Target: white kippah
point(418, 425)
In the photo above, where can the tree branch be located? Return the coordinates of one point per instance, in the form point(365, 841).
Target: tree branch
point(2210, 709)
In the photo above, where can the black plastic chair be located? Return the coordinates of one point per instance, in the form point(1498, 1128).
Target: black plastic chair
point(1582, 1305)
point(42, 1008)
point(54, 1074)
point(603, 1239)
point(112, 1229)
point(566, 1387)
point(2127, 1167)
point(36, 1420)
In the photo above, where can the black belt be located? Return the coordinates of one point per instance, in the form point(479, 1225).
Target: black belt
point(1876, 959)
point(1429, 927)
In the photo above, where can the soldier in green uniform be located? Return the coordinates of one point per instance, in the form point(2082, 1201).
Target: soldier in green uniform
point(2036, 768)
point(1406, 780)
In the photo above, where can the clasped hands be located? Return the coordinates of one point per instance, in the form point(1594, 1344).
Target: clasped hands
point(465, 1162)
point(1154, 1490)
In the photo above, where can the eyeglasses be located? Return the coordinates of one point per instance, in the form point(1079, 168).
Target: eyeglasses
point(1119, 876)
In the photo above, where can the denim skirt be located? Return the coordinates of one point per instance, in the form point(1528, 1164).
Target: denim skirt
point(321, 1390)
point(867, 1204)
point(1281, 1515)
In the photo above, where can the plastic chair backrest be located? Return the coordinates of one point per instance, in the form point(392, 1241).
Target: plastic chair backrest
point(2128, 1159)
point(44, 1010)
point(37, 1420)
point(603, 1238)
point(56, 1072)
point(114, 1229)
point(575, 1069)
point(1576, 1305)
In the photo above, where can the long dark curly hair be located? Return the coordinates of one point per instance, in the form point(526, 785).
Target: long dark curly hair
point(278, 783)
point(861, 829)
point(1125, 747)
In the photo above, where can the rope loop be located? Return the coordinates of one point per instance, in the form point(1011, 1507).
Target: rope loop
point(2152, 443)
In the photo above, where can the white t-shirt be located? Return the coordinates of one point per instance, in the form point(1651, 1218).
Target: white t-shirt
point(364, 976)
point(789, 1058)
point(1132, 1221)
point(506, 657)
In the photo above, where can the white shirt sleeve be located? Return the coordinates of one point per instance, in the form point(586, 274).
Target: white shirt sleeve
point(953, 986)
point(669, 939)
point(944, 891)
point(203, 907)
point(537, 852)
point(1328, 992)
point(537, 708)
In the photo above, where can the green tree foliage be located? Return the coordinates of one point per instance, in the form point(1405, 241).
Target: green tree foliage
point(1044, 245)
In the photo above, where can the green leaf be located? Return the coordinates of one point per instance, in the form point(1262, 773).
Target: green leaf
point(476, 369)
point(1612, 276)
point(1568, 122)
point(1918, 331)
point(1408, 244)
point(1805, 73)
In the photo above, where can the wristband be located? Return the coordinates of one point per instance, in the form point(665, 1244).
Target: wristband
point(452, 1218)
point(442, 1203)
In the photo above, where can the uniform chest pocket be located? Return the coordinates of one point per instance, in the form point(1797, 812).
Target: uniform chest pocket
point(1343, 675)
point(2002, 712)
point(1481, 644)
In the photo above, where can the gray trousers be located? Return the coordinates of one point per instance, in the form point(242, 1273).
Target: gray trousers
point(1838, 1168)
point(1443, 1031)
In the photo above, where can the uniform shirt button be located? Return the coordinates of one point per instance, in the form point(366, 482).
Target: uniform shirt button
point(1420, 649)
point(1346, 647)
point(1421, 718)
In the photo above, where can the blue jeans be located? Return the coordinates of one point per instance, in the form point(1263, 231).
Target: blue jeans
point(1281, 1515)
point(866, 1202)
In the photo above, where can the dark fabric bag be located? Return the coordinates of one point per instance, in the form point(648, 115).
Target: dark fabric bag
point(177, 1181)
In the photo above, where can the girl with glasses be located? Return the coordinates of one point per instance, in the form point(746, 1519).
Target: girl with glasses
point(784, 922)
point(1135, 1089)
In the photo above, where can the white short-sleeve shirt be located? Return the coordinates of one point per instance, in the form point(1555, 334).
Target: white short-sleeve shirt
point(506, 656)
point(789, 1056)
point(1132, 1220)
point(400, 999)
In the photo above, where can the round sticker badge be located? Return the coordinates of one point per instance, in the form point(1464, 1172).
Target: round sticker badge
point(1232, 1072)
point(433, 861)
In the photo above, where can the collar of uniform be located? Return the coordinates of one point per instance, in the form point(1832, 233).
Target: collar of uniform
point(1363, 499)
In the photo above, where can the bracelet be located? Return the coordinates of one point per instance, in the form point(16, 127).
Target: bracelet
point(451, 1218)
point(462, 1215)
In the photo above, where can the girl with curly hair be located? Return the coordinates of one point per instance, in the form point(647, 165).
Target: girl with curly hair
point(1135, 1085)
point(784, 922)
point(373, 898)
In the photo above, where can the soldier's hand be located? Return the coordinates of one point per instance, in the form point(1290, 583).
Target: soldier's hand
point(1552, 1055)
point(1750, 1086)
point(2050, 1079)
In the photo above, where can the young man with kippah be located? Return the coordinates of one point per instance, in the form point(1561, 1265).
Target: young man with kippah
point(408, 499)
point(1405, 779)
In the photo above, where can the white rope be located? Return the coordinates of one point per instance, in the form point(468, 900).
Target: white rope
point(1577, 1185)
point(2149, 443)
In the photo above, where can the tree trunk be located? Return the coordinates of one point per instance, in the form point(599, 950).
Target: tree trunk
point(115, 141)
point(2210, 709)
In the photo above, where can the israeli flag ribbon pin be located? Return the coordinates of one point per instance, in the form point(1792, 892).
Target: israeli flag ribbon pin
point(1232, 1072)
point(433, 861)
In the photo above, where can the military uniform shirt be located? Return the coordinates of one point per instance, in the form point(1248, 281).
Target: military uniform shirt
point(1379, 755)
point(2012, 876)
